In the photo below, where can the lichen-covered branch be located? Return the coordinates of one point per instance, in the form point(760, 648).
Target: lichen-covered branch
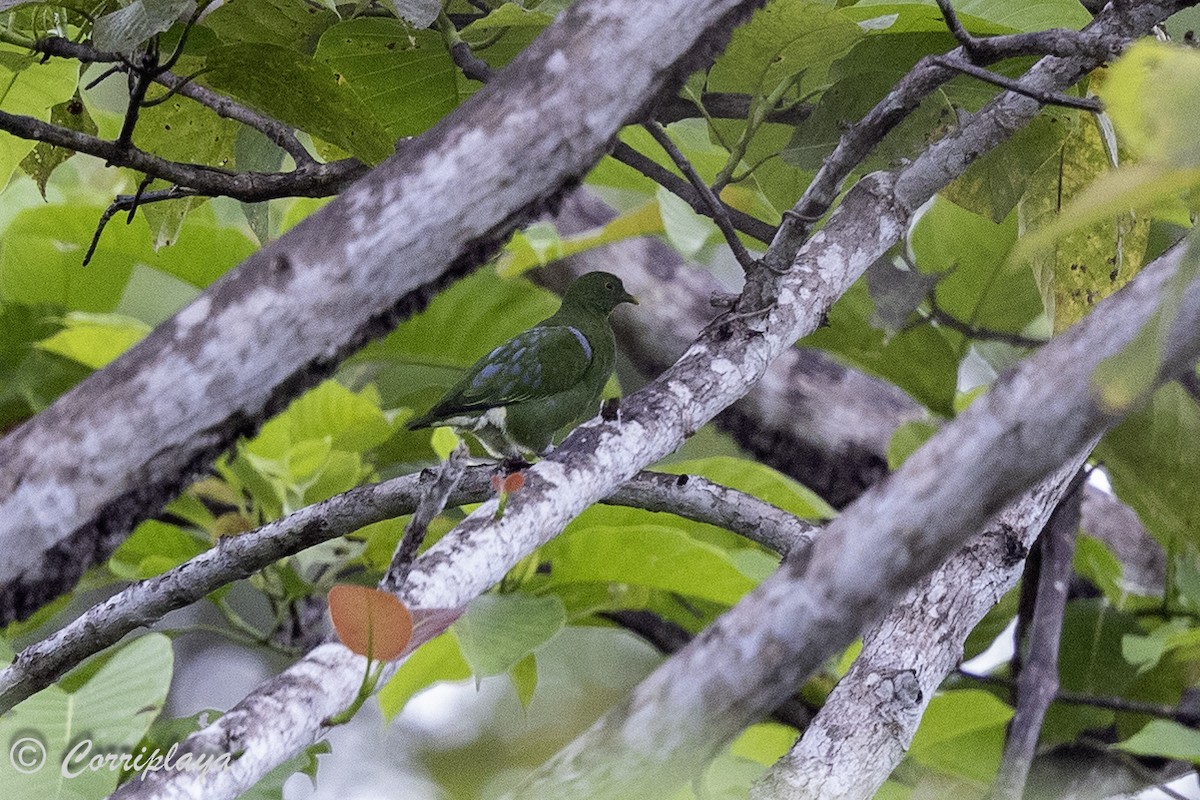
point(75, 478)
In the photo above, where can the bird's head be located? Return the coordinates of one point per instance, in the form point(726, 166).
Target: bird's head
point(598, 291)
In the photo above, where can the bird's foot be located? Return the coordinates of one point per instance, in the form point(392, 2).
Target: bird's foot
point(610, 410)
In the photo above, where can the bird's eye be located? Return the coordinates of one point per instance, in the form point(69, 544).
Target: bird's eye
point(608, 286)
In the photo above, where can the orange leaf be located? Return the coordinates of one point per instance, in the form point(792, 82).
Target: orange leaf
point(369, 621)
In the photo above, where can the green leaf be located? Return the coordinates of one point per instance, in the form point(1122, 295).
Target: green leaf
point(109, 713)
point(44, 158)
point(404, 76)
point(299, 91)
point(124, 30)
point(962, 733)
point(32, 88)
point(967, 251)
point(437, 660)
point(994, 183)
point(1165, 739)
point(524, 676)
point(509, 15)
point(779, 41)
point(499, 631)
point(30, 378)
point(1096, 562)
point(1153, 460)
point(655, 556)
point(1152, 94)
point(350, 421)
point(919, 360)
point(1087, 262)
point(95, 339)
point(153, 548)
point(274, 22)
point(907, 439)
point(686, 230)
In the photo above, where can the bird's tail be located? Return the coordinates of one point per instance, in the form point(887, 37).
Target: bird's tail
point(423, 421)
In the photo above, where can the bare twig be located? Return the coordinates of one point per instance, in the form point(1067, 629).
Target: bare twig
point(942, 317)
point(684, 190)
point(1013, 85)
point(1038, 683)
point(317, 180)
point(433, 500)
point(716, 209)
point(235, 558)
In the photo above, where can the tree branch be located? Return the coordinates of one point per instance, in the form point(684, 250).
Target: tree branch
point(782, 630)
point(318, 180)
point(716, 209)
point(226, 107)
point(867, 723)
point(1038, 682)
point(235, 558)
point(439, 208)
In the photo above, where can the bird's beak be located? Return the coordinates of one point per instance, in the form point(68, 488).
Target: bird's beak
point(628, 298)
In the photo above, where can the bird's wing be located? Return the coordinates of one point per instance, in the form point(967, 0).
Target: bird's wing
point(538, 363)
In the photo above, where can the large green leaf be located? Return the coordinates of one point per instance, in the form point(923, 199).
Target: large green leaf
point(300, 91)
point(44, 158)
point(1164, 739)
point(656, 556)
point(780, 40)
point(126, 29)
point(405, 77)
point(1084, 266)
point(969, 253)
point(1153, 459)
point(920, 360)
point(1152, 95)
point(95, 339)
point(31, 87)
point(62, 730)
point(962, 732)
point(279, 22)
point(994, 184)
point(500, 630)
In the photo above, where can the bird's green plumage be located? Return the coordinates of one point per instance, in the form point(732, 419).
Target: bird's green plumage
point(518, 396)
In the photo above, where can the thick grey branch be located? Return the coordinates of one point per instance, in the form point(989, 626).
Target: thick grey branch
point(76, 477)
point(142, 604)
point(1037, 684)
point(868, 721)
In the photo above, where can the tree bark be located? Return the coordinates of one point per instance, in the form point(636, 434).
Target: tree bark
point(76, 478)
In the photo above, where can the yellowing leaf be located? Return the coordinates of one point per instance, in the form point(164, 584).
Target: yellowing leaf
point(1082, 263)
point(1152, 95)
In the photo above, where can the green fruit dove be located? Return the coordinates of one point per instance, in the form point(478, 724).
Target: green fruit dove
point(517, 397)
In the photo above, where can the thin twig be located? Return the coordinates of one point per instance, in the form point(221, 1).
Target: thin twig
point(471, 65)
point(944, 318)
point(1183, 714)
point(130, 203)
point(684, 190)
point(716, 209)
point(1037, 684)
point(1013, 85)
point(432, 502)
